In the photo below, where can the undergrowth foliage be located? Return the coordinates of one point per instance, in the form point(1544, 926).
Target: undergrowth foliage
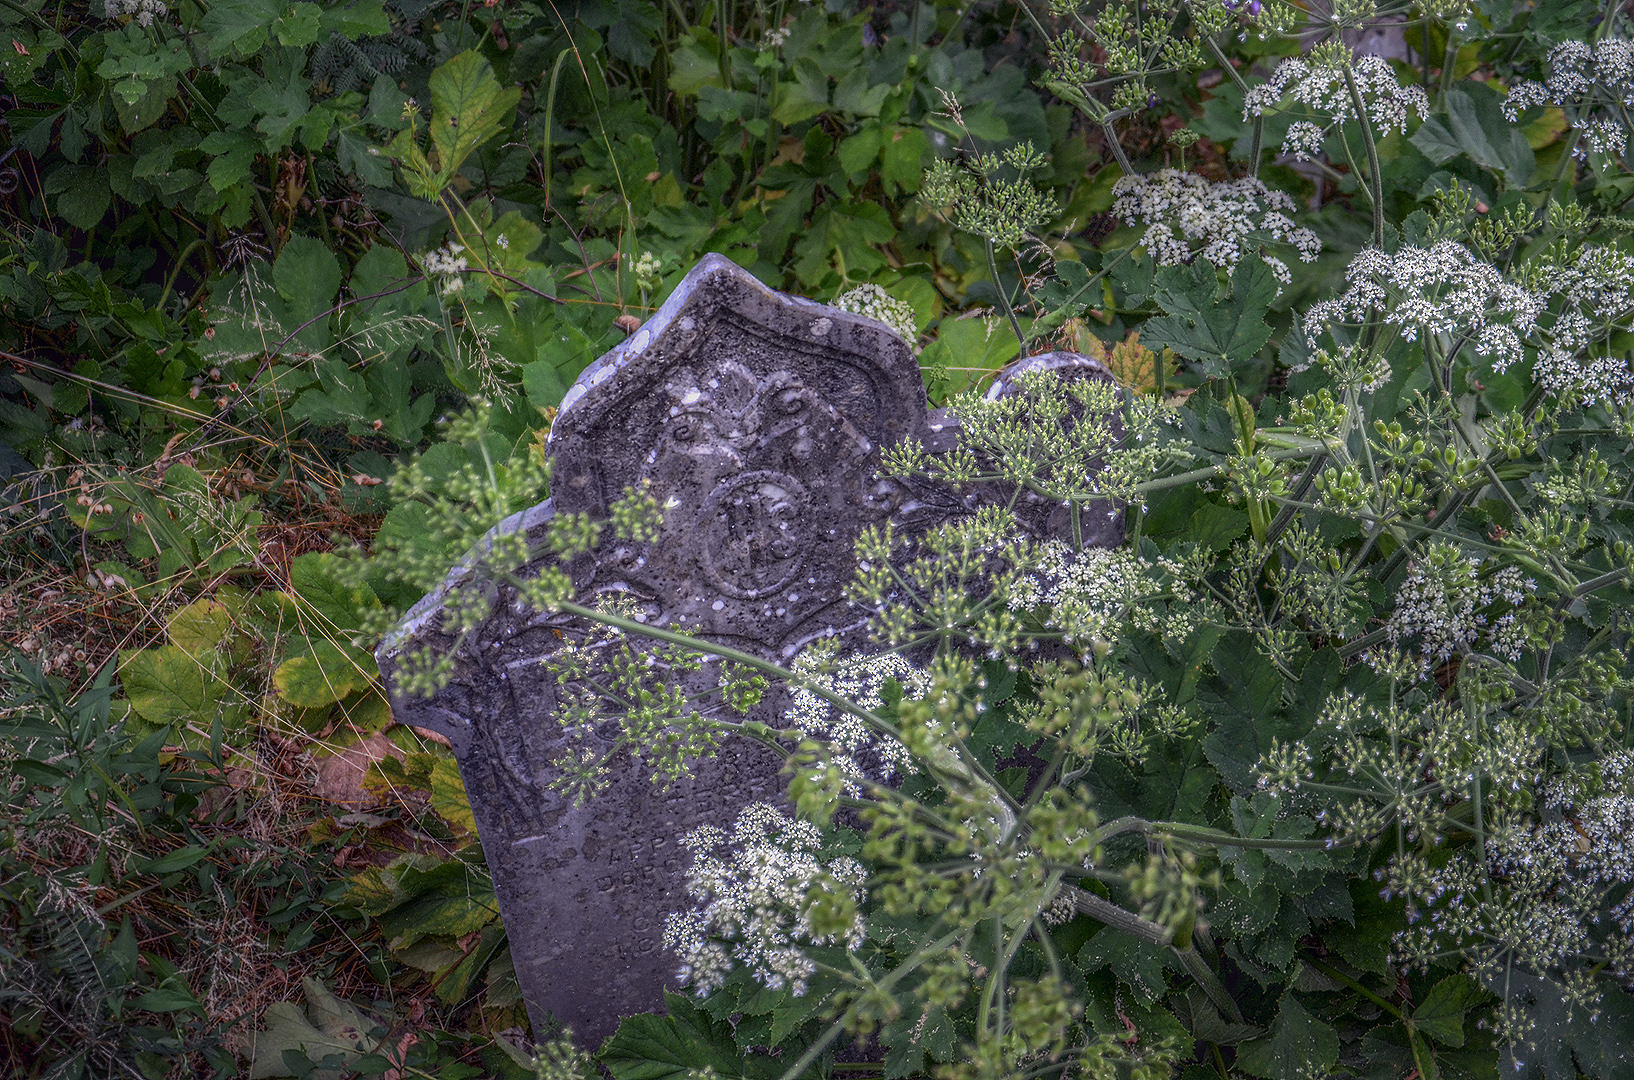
point(1322, 772)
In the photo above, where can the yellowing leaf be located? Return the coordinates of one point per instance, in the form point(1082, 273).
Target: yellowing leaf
point(200, 626)
point(320, 678)
point(168, 684)
point(448, 795)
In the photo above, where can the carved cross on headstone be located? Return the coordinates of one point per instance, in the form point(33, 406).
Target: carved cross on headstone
point(758, 420)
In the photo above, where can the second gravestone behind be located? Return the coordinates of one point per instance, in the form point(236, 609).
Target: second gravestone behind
point(758, 420)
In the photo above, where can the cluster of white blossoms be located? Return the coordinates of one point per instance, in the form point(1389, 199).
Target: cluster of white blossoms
point(1190, 216)
point(1442, 602)
point(1443, 289)
point(1553, 876)
point(1319, 81)
point(852, 745)
point(1099, 593)
point(448, 264)
point(753, 902)
point(876, 303)
point(143, 12)
point(1595, 290)
point(1595, 82)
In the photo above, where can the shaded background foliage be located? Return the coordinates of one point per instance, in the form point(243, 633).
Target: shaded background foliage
point(222, 336)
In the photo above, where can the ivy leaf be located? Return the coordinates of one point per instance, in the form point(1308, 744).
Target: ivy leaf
point(1218, 335)
point(1298, 1046)
point(468, 107)
point(1441, 1014)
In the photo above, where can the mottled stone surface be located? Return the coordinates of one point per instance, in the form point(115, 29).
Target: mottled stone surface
point(760, 417)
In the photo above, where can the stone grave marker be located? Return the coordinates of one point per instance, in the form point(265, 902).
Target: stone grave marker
point(760, 418)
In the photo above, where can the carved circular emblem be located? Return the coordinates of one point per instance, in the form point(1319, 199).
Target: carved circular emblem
point(752, 527)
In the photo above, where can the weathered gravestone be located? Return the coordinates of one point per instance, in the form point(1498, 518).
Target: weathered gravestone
point(759, 419)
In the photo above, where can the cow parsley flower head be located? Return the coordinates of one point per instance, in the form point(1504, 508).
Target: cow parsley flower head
point(877, 304)
point(1190, 216)
point(1319, 82)
point(1593, 83)
point(1444, 603)
point(753, 907)
point(1442, 289)
point(142, 12)
point(1594, 289)
point(859, 751)
point(1095, 594)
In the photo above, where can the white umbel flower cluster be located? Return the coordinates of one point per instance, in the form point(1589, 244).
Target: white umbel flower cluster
point(1595, 288)
point(877, 304)
point(1098, 593)
point(1190, 216)
point(753, 902)
point(857, 750)
point(448, 264)
point(1443, 289)
point(1595, 82)
point(1443, 602)
point(142, 12)
point(1321, 85)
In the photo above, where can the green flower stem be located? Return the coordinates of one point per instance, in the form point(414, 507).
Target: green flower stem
point(1105, 911)
point(1257, 143)
point(836, 1029)
point(1375, 175)
point(1460, 499)
point(1004, 297)
point(1215, 471)
point(1421, 1053)
point(1595, 584)
point(1194, 964)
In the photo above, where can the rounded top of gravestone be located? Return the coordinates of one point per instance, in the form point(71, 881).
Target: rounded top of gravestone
point(1064, 364)
point(722, 313)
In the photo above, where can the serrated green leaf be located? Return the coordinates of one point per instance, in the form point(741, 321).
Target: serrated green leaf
point(1441, 1014)
point(361, 18)
point(237, 26)
point(167, 684)
point(1298, 1046)
point(85, 195)
point(1218, 335)
point(321, 677)
point(468, 107)
point(651, 1047)
point(200, 626)
point(319, 591)
point(1136, 963)
point(307, 276)
point(448, 798)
